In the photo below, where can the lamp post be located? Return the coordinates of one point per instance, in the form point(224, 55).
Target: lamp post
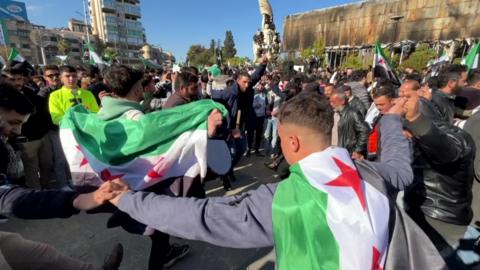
point(395, 20)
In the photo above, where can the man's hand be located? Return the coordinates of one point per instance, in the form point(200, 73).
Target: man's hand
point(398, 107)
point(104, 193)
point(236, 134)
point(412, 107)
point(357, 156)
point(215, 120)
point(264, 60)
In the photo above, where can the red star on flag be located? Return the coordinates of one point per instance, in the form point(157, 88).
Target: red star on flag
point(349, 178)
point(84, 160)
point(381, 61)
point(376, 259)
point(107, 176)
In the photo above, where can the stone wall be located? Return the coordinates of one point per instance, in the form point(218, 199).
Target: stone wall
point(365, 22)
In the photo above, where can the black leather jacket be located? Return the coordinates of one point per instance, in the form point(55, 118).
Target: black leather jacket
point(443, 170)
point(352, 131)
point(358, 104)
point(445, 105)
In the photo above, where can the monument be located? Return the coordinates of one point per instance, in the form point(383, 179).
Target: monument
point(266, 40)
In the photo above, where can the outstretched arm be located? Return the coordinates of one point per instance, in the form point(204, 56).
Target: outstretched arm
point(242, 221)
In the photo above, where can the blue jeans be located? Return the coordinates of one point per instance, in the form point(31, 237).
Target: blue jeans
point(271, 135)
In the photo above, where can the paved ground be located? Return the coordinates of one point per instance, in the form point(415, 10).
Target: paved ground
point(86, 237)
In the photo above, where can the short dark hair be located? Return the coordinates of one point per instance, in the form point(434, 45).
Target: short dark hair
point(243, 74)
point(312, 87)
point(92, 71)
point(414, 77)
point(12, 100)
point(185, 79)
point(19, 71)
point(67, 69)
point(384, 90)
point(451, 72)
point(309, 110)
point(357, 75)
point(474, 77)
point(121, 79)
point(146, 79)
point(50, 67)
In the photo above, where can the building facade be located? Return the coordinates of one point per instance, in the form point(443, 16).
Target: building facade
point(157, 55)
point(117, 23)
point(75, 25)
point(389, 21)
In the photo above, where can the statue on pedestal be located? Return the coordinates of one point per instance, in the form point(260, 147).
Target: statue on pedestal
point(266, 40)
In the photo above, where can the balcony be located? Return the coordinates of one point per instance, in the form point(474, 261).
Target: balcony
point(109, 5)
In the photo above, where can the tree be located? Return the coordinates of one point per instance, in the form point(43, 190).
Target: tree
point(354, 61)
point(110, 54)
point(419, 58)
point(198, 55)
point(64, 46)
point(239, 61)
point(229, 50)
point(317, 49)
point(98, 45)
point(212, 46)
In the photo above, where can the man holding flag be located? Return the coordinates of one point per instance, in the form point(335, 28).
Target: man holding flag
point(330, 213)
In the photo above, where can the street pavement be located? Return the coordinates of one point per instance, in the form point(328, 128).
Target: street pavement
point(86, 237)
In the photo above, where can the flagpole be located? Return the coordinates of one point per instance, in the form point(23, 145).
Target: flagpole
point(86, 20)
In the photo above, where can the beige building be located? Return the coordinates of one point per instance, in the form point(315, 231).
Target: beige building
point(19, 37)
point(157, 55)
point(365, 22)
point(79, 26)
point(48, 39)
point(117, 23)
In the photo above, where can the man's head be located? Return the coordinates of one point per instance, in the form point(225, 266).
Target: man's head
point(383, 97)
point(338, 100)
point(68, 77)
point(19, 77)
point(243, 81)
point(347, 90)
point(474, 79)
point(125, 82)
point(452, 79)
point(51, 74)
point(409, 88)
point(305, 126)
point(186, 84)
point(90, 76)
point(329, 89)
point(15, 109)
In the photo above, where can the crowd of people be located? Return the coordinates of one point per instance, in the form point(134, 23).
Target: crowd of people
point(416, 139)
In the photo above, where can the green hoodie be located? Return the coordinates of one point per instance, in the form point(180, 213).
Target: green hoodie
point(115, 107)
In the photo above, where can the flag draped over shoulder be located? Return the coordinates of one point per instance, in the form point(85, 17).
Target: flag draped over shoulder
point(472, 58)
point(381, 66)
point(326, 217)
point(161, 145)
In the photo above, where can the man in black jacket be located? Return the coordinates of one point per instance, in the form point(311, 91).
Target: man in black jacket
point(37, 150)
point(238, 99)
point(352, 129)
point(451, 81)
point(441, 196)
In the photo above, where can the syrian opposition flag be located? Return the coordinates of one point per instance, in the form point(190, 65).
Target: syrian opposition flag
point(472, 58)
point(160, 145)
point(15, 55)
point(325, 216)
point(95, 59)
point(381, 67)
